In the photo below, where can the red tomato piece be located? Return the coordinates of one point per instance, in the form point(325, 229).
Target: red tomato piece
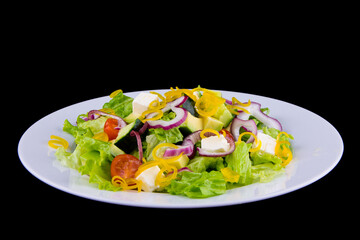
point(109, 128)
point(125, 166)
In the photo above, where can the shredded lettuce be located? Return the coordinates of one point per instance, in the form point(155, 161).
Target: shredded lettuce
point(239, 161)
point(91, 157)
point(265, 166)
point(201, 164)
point(198, 185)
point(121, 104)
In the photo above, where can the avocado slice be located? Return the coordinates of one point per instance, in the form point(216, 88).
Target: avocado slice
point(191, 124)
point(181, 162)
point(213, 123)
point(224, 115)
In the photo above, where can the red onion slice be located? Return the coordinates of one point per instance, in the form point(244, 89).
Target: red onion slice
point(138, 140)
point(181, 115)
point(172, 152)
point(249, 126)
point(92, 116)
point(177, 102)
point(255, 110)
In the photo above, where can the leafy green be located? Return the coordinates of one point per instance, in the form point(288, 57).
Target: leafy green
point(239, 161)
point(170, 136)
point(273, 132)
point(96, 126)
point(91, 157)
point(260, 157)
point(266, 172)
point(201, 164)
point(198, 185)
point(76, 131)
point(265, 166)
point(121, 104)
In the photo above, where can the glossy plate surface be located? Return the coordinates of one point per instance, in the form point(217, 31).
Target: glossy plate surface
point(318, 147)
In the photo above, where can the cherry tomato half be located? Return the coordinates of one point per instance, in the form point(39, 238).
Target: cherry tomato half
point(109, 128)
point(125, 166)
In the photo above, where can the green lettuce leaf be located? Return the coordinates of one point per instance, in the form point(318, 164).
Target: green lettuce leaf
point(198, 185)
point(76, 131)
point(260, 157)
point(266, 172)
point(265, 166)
point(121, 104)
point(91, 157)
point(170, 136)
point(201, 164)
point(239, 161)
point(96, 126)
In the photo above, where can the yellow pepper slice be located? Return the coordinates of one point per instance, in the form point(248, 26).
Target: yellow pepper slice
point(57, 142)
point(282, 149)
point(107, 110)
point(202, 133)
point(165, 160)
point(102, 136)
point(116, 92)
point(230, 175)
point(208, 104)
point(158, 105)
point(164, 181)
point(234, 100)
point(257, 141)
point(157, 117)
point(126, 184)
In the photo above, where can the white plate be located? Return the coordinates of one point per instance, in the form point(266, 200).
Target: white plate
point(318, 147)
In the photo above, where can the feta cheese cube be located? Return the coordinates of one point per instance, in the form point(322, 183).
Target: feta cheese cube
point(267, 143)
point(215, 144)
point(148, 179)
point(142, 101)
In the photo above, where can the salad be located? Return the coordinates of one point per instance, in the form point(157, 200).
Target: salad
point(190, 142)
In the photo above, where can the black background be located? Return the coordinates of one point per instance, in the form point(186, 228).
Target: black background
point(56, 67)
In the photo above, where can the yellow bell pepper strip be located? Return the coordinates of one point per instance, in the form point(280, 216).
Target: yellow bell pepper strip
point(107, 110)
point(156, 117)
point(237, 105)
point(230, 175)
point(159, 105)
point(173, 94)
point(235, 101)
point(208, 104)
point(126, 184)
point(176, 93)
point(164, 181)
point(162, 160)
point(114, 93)
point(202, 133)
point(282, 149)
point(57, 142)
point(257, 141)
point(102, 136)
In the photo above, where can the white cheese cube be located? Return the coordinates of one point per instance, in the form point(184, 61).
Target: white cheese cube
point(215, 144)
point(267, 143)
point(142, 101)
point(148, 179)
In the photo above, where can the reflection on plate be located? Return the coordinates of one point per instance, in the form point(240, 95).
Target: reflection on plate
point(318, 147)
